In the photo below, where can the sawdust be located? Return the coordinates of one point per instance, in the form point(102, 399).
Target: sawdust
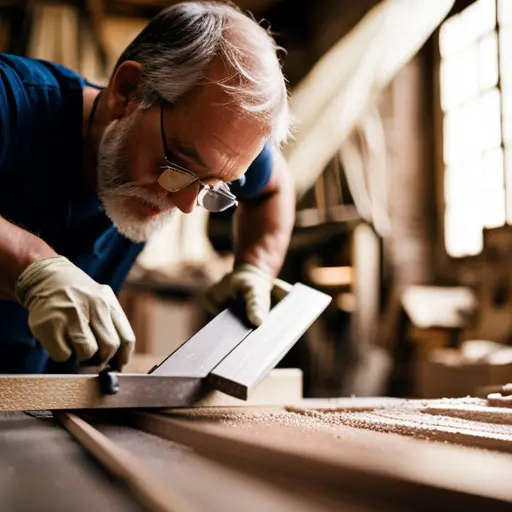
point(402, 418)
point(413, 423)
point(498, 415)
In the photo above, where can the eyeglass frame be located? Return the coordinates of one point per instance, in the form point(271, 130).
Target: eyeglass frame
point(169, 165)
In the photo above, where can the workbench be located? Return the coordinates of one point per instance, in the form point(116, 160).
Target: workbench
point(345, 454)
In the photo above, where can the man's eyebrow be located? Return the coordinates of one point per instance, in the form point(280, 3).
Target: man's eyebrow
point(190, 153)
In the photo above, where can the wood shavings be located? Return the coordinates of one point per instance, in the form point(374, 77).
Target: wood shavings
point(412, 422)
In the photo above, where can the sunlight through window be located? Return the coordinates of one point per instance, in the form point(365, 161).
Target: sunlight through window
point(475, 114)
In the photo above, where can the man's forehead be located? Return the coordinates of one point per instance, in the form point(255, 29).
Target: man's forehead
point(224, 153)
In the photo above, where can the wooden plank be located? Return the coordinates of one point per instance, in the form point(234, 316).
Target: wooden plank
point(47, 392)
point(146, 485)
point(198, 356)
point(248, 364)
point(208, 485)
point(397, 470)
point(54, 392)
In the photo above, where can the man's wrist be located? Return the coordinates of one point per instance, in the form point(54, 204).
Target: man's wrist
point(34, 252)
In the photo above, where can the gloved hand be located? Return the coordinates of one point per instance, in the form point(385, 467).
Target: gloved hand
point(70, 312)
point(251, 284)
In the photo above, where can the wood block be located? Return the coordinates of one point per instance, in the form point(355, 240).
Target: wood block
point(282, 386)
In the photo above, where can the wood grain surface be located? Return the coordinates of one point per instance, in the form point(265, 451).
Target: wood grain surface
point(240, 372)
point(48, 392)
point(42, 468)
point(145, 483)
point(398, 470)
point(57, 392)
point(198, 356)
point(215, 486)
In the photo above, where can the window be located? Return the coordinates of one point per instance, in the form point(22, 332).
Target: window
point(476, 100)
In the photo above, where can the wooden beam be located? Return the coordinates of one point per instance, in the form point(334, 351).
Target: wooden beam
point(152, 493)
point(248, 364)
point(49, 392)
point(57, 392)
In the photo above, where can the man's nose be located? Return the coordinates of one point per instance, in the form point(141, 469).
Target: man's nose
point(186, 200)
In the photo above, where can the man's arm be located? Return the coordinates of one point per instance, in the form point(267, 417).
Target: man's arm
point(264, 225)
point(18, 249)
point(68, 312)
point(263, 228)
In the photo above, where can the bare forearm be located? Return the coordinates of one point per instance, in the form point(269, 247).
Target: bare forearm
point(18, 249)
point(263, 229)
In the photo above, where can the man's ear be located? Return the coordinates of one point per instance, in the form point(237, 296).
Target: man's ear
point(123, 89)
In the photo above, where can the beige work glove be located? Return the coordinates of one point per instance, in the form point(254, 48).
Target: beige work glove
point(251, 284)
point(71, 313)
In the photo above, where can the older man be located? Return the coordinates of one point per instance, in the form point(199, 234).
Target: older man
point(193, 115)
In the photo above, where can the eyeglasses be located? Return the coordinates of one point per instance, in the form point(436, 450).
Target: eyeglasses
point(174, 178)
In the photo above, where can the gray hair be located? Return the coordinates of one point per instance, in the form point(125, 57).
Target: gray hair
point(177, 46)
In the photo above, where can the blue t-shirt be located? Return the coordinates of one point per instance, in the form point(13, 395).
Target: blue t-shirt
point(43, 189)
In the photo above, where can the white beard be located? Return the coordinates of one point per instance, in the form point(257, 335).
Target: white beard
point(114, 188)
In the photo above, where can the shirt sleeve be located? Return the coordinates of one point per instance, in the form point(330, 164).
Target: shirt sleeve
point(30, 108)
point(257, 176)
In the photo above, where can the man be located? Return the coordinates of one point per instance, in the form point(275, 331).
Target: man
point(193, 115)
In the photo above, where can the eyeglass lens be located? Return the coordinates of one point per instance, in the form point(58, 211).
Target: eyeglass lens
point(214, 202)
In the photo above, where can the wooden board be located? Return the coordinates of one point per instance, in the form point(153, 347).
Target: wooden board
point(46, 392)
point(145, 483)
point(379, 468)
point(247, 365)
point(51, 392)
point(198, 356)
point(209, 485)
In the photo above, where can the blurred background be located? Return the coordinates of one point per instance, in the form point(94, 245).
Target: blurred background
point(402, 160)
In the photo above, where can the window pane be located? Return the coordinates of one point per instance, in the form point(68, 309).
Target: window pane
point(449, 71)
point(478, 19)
point(505, 12)
point(460, 79)
point(508, 169)
point(463, 237)
point(493, 190)
point(462, 29)
point(488, 65)
point(463, 220)
point(460, 131)
point(471, 129)
point(506, 55)
point(507, 115)
point(451, 36)
point(451, 135)
point(468, 80)
point(490, 119)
